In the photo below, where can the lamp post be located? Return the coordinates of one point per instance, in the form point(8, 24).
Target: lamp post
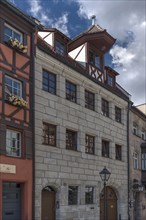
point(105, 175)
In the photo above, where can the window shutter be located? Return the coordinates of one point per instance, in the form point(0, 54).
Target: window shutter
point(2, 139)
point(28, 144)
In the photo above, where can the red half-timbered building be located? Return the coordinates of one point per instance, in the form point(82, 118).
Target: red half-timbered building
point(17, 37)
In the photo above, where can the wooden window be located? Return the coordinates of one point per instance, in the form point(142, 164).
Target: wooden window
point(118, 152)
point(59, 48)
point(70, 91)
point(73, 195)
point(89, 194)
point(143, 161)
point(71, 140)
point(105, 107)
point(10, 32)
point(94, 59)
point(135, 160)
point(89, 144)
point(89, 100)
point(49, 134)
point(13, 143)
point(12, 87)
point(49, 82)
point(118, 114)
point(105, 148)
point(110, 80)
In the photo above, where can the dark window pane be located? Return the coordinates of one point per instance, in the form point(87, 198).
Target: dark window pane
point(118, 152)
point(71, 140)
point(117, 114)
point(105, 107)
point(72, 195)
point(89, 193)
point(89, 100)
point(89, 144)
point(49, 82)
point(105, 148)
point(70, 91)
point(49, 134)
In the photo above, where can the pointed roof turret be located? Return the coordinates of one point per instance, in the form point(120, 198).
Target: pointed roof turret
point(95, 35)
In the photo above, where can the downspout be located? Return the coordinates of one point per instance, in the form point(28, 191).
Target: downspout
point(128, 158)
point(33, 120)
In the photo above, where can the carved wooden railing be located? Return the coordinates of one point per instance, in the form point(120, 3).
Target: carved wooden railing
point(96, 73)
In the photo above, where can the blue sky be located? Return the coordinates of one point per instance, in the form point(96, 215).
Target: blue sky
point(125, 20)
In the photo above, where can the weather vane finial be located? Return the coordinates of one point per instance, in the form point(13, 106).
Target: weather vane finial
point(93, 17)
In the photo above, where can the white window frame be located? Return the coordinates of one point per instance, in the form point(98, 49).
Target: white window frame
point(13, 87)
point(14, 151)
point(143, 161)
point(13, 30)
point(135, 160)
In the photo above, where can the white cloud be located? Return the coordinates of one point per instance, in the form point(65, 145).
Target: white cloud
point(124, 19)
point(44, 15)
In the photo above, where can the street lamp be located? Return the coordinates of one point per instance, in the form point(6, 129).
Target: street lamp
point(105, 175)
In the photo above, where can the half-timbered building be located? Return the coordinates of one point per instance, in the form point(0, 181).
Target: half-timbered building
point(16, 112)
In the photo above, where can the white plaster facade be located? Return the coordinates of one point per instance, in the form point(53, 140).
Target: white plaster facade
point(58, 167)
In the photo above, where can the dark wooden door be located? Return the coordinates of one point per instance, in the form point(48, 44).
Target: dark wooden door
point(48, 205)
point(111, 204)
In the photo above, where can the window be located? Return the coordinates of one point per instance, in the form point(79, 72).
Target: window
point(49, 82)
point(71, 140)
point(143, 135)
point(110, 80)
point(143, 161)
point(13, 143)
point(49, 134)
point(135, 128)
point(59, 47)
point(118, 149)
point(105, 107)
point(10, 32)
point(73, 195)
point(94, 59)
point(89, 194)
point(105, 148)
point(135, 160)
point(70, 91)
point(12, 86)
point(89, 144)
point(89, 100)
point(117, 114)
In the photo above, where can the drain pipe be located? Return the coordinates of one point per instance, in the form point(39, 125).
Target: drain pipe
point(128, 157)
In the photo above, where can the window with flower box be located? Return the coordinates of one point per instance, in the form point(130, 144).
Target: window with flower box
point(89, 100)
point(12, 87)
point(105, 148)
point(73, 195)
point(118, 152)
point(118, 114)
point(89, 144)
point(71, 91)
point(13, 143)
point(10, 32)
point(105, 107)
point(89, 195)
point(49, 82)
point(49, 134)
point(71, 140)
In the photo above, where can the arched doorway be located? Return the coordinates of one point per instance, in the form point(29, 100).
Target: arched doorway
point(111, 204)
point(48, 203)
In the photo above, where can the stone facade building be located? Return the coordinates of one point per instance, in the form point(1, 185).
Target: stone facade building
point(137, 165)
point(80, 127)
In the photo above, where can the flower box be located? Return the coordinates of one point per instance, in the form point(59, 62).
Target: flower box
point(17, 45)
point(17, 101)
